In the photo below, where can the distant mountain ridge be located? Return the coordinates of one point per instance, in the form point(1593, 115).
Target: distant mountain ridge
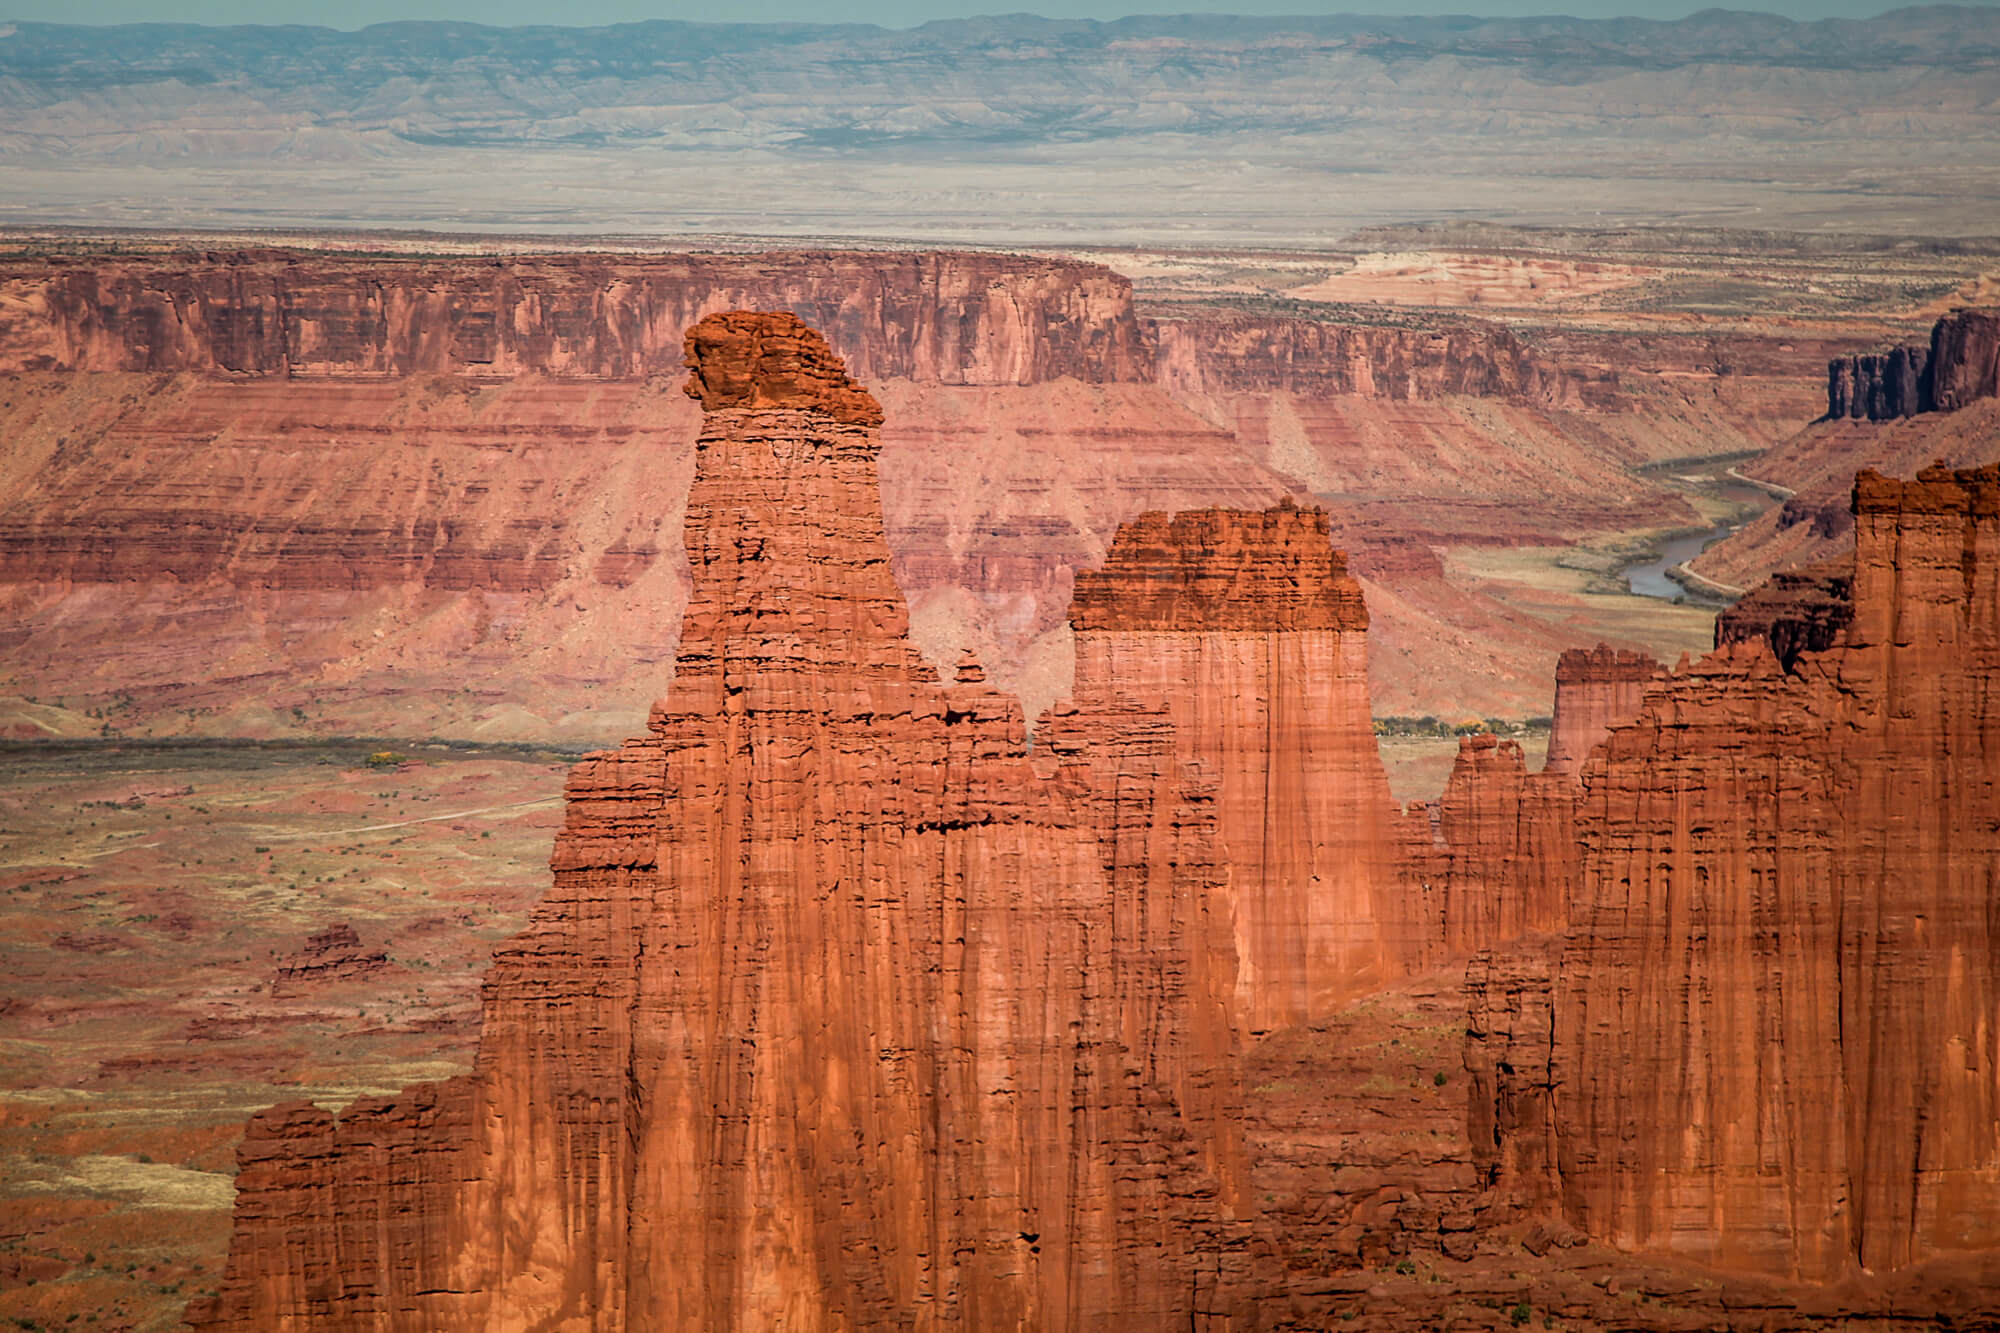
point(951, 80)
point(1797, 122)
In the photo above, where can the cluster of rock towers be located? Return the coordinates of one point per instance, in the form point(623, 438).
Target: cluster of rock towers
point(851, 1007)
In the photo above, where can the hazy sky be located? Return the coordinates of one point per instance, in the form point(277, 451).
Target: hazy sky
point(891, 13)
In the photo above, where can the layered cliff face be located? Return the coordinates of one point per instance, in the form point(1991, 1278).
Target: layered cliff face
point(1795, 611)
point(260, 492)
point(1965, 359)
point(1248, 354)
point(954, 319)
point(351, 526)
point(840, 1011)
point(1249, 629)
point(1959, 365)
point(1880, 386)
point(1782, 944)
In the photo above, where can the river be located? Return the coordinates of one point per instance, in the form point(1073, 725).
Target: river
point(1648, 578)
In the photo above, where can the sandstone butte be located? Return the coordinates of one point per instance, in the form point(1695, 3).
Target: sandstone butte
point(848, 1008)
point(1248, 625)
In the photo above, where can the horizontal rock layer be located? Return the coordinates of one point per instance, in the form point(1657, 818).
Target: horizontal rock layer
point(1251, 354)
point(1217, 570)
point(955, 319)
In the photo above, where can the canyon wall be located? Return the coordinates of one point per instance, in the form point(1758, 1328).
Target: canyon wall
point(261, 492)
point(1250, 354)
point(1960, 365)
point(268, 491)
point(946, 318)
point(1781, 942)
point(839, 1008)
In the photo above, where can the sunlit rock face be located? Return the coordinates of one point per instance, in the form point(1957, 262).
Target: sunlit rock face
point(1770, 1034)
point(839, 1008)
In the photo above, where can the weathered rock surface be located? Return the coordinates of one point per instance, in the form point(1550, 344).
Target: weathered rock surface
point(1880, 386)
point(1795, 611)
point(946, 318)
point(1596, 689)
point(1248, 629)
point(1781, 943)
point(1502, 861)
point(840, 1012)
point(753, 362)
point(1313, 358)
point(248, 483)
point(330, 955)
point(1960, 365)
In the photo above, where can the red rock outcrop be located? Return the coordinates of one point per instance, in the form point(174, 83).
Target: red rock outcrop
point(1880, 386)
point(1315, 358)
point(1959, 366)
point(1502, 859)
point(841, 1012)
point(752, 361)
point(1250, 631)
point(1965, 359)
point(1794, 611)
point(945, 318)
point(1596, 689)
point(1772, 1043)
point(330, 955)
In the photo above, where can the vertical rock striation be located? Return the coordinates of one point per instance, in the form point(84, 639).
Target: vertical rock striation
point(1772, 1040)
point(1960, 365)
point(1249, 629)
point(1596, 689)
point(947, 318)
point(841, 1013)
point(1503, 862)
point(1965, 359)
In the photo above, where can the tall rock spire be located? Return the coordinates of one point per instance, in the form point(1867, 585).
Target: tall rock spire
point(839, 1013)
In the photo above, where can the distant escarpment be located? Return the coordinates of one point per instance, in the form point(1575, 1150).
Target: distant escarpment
point(1959, 365)
point(948, 318)
point(252, 492)
point(1768, 1040)
point(1251, 353)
